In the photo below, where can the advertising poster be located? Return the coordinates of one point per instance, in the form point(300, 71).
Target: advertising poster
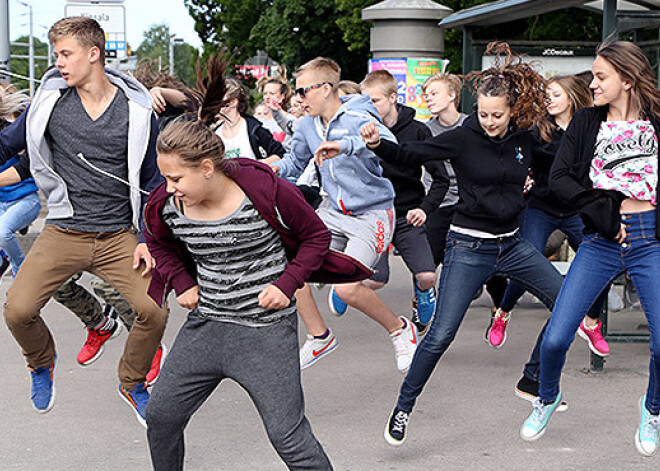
point(396, 67)
point(410, 74)
point(418, 71)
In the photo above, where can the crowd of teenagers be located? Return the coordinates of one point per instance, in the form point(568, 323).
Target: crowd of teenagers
point(243, 215)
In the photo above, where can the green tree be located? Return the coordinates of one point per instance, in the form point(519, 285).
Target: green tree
point(227, 24)
point(156, 43)
point(21, 66)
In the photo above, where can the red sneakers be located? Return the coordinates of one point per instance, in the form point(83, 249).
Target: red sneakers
point(157, 362)
point(94, 347)
point(594, 338)
point(497, 332)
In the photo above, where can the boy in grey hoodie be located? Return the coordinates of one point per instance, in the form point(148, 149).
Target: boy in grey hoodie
point(358, 208)
point(90, 134)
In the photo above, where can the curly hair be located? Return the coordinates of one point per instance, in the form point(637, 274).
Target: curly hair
point(516, 80)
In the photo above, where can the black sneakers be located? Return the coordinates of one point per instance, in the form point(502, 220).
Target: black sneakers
point(528, 389)
point(493, 310)
point(395, 432)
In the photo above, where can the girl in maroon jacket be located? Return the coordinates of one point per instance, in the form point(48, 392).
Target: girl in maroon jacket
point(235, 242)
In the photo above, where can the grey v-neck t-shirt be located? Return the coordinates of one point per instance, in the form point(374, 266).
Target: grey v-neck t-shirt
point(100, 203)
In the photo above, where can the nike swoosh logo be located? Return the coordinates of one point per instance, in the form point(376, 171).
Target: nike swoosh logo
point(318, 352)
point(414, 339)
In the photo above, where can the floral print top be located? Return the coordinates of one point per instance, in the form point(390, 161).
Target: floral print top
point(626, 159)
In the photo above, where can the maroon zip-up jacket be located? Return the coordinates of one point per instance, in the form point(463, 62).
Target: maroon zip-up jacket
point(280, 203)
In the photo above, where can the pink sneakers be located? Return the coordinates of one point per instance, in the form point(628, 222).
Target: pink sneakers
point(594, 338)
point(497, 332)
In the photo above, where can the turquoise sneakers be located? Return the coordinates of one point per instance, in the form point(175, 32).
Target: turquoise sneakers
point(646, 438)
point(534, 426)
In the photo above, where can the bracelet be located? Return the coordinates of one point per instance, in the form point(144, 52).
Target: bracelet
point(373, 145)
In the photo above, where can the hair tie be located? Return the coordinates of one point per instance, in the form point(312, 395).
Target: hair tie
point(500, 76)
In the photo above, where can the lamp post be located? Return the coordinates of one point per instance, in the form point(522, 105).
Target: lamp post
point(173, 40)
point(30, 46)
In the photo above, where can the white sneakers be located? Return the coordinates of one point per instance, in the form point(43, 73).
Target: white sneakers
point(405, 343)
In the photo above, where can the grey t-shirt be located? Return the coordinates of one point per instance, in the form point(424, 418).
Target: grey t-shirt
point(451, 198)
point(236, 258)
point(100, 203)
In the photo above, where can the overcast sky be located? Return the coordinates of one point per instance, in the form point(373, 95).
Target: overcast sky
point(140, 15)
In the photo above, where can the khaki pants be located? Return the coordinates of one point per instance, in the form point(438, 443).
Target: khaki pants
point(56, 255)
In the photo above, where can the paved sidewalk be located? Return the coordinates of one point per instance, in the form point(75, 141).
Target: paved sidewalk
point(467, 419)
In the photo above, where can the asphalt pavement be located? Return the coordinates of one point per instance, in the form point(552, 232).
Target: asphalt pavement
point(467, 418)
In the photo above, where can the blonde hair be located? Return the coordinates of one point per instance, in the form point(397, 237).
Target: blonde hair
point(325, 69)
point(86, 31)
point(579, 96)
point(453, 83)
point(382, 79)
point(348, 87)
point(12, 101)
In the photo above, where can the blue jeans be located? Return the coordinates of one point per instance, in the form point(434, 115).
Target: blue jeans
point(15, 215)
point(536, 227)
point(597, 263)
point(469, 262)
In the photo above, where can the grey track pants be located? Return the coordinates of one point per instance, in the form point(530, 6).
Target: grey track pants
point(262, 360)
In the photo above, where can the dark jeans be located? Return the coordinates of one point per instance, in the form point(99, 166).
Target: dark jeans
point(597, 263)
point(536, 227)
point(262, 360)
point(469, 262)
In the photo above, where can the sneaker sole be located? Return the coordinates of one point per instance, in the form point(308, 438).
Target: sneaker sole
point(535, 437)
point(591, 345)
point(563, 405)
point(162, 361)
point(115, 334)
point(51, 403)
point(638, 443)
point(130, 404)
point(392, 441)
point(331, 305)
point(327, 351)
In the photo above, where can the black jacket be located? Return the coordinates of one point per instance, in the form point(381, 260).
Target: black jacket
point(569, 176)
point(261, 139)
point(406, 178)
point(491, 173)
point(541, 196)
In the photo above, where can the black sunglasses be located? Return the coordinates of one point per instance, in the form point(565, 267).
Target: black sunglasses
point(302, 91)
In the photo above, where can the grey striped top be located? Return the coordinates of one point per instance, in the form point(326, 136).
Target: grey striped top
point(236, 258)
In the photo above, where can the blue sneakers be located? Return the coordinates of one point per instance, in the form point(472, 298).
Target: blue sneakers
point(534, 426)
point(43, 389)
point(137, 399)
point(337, 306)
point(646, 437)
point(424, 303)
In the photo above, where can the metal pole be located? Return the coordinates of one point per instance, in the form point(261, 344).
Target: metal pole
point(609, 19)
point(172, 55)
point(31, 53)
point(4, 40)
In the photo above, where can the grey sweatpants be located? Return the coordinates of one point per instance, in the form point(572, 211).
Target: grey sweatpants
point(263, 360)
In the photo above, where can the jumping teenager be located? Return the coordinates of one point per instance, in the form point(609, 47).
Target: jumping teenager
point(607, 169)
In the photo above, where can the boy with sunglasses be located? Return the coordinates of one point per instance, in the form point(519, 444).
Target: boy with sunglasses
point(359, 206)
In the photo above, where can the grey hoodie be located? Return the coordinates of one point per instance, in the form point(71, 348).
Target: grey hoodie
point(142, 132)
point(354, 179)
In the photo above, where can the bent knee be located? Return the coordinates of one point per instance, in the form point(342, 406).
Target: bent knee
point(425, 280)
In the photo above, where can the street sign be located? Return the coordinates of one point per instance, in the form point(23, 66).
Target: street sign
point(111, 16)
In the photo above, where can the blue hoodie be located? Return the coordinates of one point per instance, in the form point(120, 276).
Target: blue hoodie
point(354, 179)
